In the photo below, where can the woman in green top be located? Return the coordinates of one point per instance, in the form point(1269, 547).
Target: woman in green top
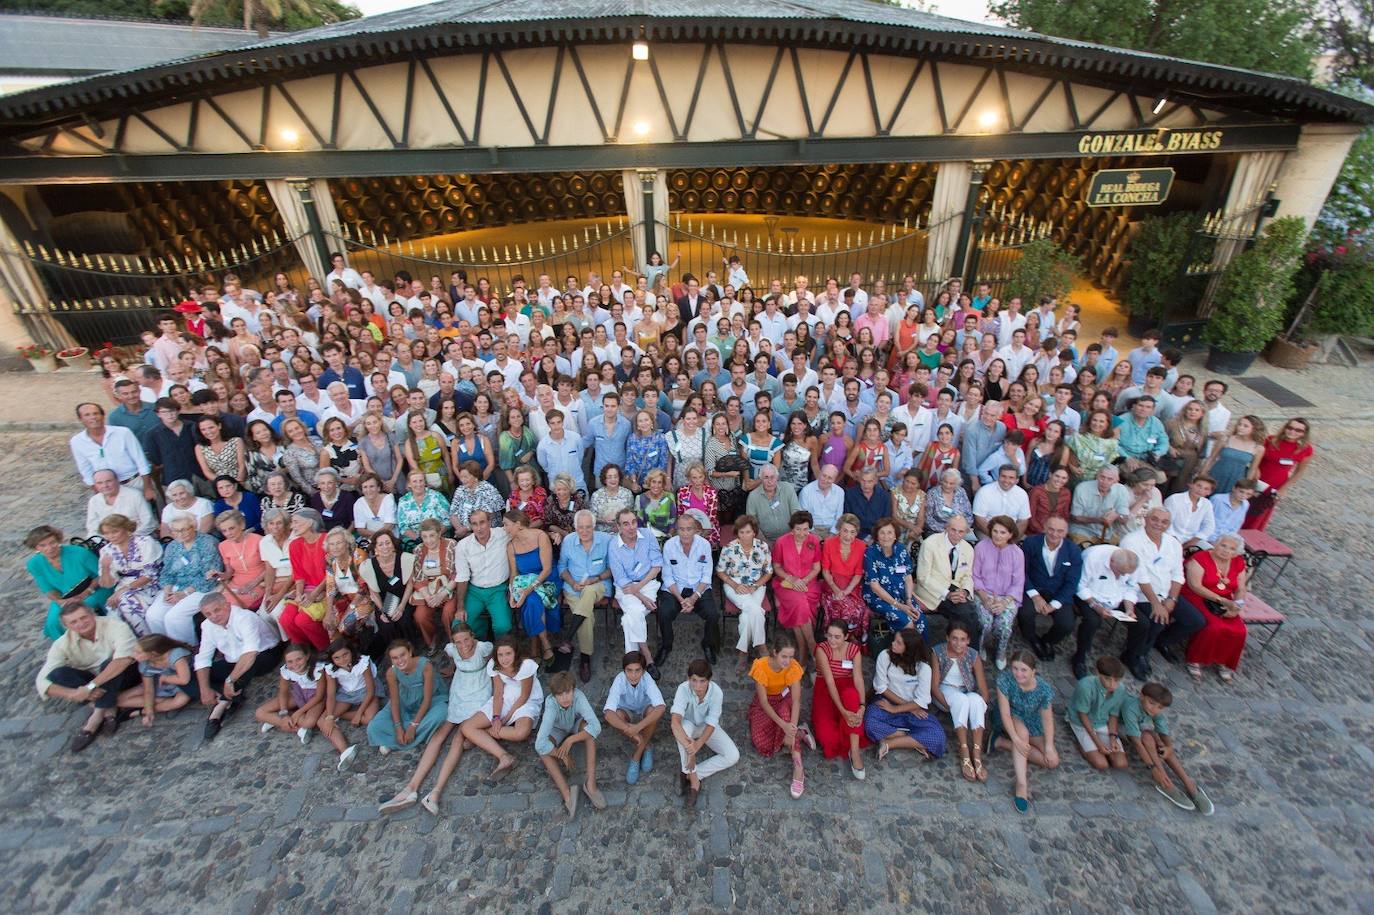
point(58, 569)
point(427, 452)
point(515, 447)
point(656, 506)
point(1095, 445)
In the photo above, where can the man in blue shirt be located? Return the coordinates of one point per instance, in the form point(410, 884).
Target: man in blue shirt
point(338, 370)
point(712, 372)
point(561, 452)
point(1140, 434)
point(607, 435)
point(868, 502)
point(635, 565)
point(687, 574)
point(1144, 357)
point(981, 439)
point(584, 569)
point(132, 413)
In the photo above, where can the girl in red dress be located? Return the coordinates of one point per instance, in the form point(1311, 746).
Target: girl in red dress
point(1283, 464)
point(1216, 586)
point(837, 702)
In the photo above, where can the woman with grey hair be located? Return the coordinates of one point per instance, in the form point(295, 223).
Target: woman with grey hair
point(565, 501)
point(1216, 584)
point(190, 567)
point(273, 548)
point(945, 501)
point(277, 493)
point(334, 504)
point(182, 502)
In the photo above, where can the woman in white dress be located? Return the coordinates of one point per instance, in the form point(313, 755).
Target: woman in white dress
point(514, 709)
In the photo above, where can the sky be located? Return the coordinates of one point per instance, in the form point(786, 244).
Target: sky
point(975, 10)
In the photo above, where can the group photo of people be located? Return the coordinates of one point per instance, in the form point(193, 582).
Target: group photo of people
point(420, 515)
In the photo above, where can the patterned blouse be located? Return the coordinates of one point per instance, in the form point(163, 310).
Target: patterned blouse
point(259, 466)
point(345, 459)
point(510, 449)
point(938, 512)
point(409, 514)
point(534, 505)
point(225, 462)
point(708, 503)
point(744, 568)
point(907, 510)
point(606, 506)
point(1093, 453)
point(184, 568)
point(560, 515)
point(657, 515)
point(715, 450)
point(759, 455)
point(644, 453)
point(466, 501)
point(141, 557)
point(1026, 705)
point(300, 463)
point(294, 503)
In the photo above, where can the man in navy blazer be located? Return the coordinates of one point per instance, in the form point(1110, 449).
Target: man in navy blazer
point(1053, 566)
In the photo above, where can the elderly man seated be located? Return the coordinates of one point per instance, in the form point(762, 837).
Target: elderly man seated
point(1097, 507)
point(90, 664)
point(944, 576)
point(1107, 586)
point(1162, 620)
point(870, 502)
point(113, 498)
point(824, 500)
point(773, 501)
point(236, 646)
point(635, 562)
point(584, 570)
point(688, 574)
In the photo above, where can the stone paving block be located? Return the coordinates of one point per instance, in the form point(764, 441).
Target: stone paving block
point(361, 814)
point(722, 897)
point(401, 904)
point(1197, 896)
point(327, 814)
point(290, 807)
point(561, 883)
point(720, 841)
point(1168, 853)
point(414, 860)
point(509, 803)
point(212, 826)
point(13, 727)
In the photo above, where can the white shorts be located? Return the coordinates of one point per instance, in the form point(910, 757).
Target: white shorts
point(1085, 740)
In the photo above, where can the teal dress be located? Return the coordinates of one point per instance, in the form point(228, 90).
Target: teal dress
point(381, 732)
point(78, 564)
point(1026, 705)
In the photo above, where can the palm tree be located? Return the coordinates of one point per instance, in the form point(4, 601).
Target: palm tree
point(259, 14)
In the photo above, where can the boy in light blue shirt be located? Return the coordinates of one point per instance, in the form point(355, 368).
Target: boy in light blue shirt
point(568, 720)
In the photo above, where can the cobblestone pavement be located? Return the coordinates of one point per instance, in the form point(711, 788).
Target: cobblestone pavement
point(254, 824)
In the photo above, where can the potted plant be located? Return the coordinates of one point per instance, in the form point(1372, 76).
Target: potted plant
point(1156, 256)
point(1249, 305)
point(76, 357)
point(39, 356)
point(1339, 271)
point(1042, 269)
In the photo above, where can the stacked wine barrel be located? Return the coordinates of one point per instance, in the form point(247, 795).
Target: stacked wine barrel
point(419, 206)
point(890, 193)
point(1053, 192)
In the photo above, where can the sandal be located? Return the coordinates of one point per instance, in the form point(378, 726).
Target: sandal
point(979, 769)
point(1225, 674)
point(1195, 671)
point(883, 750)
point(430, 803)
point(967, 765)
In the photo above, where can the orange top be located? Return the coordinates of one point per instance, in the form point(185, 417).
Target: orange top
point(775, 681)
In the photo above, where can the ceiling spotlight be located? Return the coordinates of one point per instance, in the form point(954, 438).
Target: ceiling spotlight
point(640, 50)
point(641, 128)
point(988, 119)
point(1159, 104)
point(289, 136)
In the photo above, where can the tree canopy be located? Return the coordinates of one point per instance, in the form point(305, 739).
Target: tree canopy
point(229, 13)
point(1275, 36)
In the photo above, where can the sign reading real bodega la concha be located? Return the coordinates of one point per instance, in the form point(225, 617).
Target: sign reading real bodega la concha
point(1130, 187)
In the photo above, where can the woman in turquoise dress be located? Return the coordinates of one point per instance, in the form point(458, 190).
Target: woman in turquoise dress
point(57, 568)
point(1239, 456)
point(417, 705)
point(533, 588)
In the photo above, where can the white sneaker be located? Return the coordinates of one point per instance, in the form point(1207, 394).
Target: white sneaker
point(860, 774)
point(265, 728)
point(347, 756)
point(384, 750)
point(304, 735)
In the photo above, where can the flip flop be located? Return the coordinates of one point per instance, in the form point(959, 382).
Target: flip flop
point(970, 774)
point(883, 750)
point(499, 772)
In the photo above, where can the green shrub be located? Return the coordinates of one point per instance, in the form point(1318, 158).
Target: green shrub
point(1343, 272)
point(1042, 269)
point(1252, 297)
point(1156, 254)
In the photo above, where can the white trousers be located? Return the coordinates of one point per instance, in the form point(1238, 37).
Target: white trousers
point(752, 629)
point(719, 743)
point(634, 614)
point(966, 710)
point(175, 619)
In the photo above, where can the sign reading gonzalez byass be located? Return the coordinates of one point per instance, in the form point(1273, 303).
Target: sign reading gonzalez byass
point(1129, 187)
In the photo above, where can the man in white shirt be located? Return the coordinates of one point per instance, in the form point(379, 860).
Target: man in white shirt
point(860, 297)
point(1016, 355)
point(236, 646)
point(1058, 408)
point(944, 414)
point(806, 376)
point(342, 272)
point(800, 291)
point(481, 573)
point(919, 419)
point(309, 396)
point(1107, 585)
point(350, 411)
point(687, 574)
point(1218, 416)
point(1193, 519)
point(804, 315)
point(824, 500)
point(773, 322)
point(99, 447)
point(369, 289)
point(112, 498)
point(1162, 620)
point(1010, 320)
point(634, 707)
point(1003, 498)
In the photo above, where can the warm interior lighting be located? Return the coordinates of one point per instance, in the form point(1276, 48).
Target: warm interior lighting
point(641, 128)
point(640, 50)
point(987, 119)
point(289, 136)
point(1159, 104)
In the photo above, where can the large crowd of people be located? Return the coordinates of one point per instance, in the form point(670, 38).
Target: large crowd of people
point(396, 510)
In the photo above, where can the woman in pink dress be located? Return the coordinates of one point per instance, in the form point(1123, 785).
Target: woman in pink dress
point(796, 585)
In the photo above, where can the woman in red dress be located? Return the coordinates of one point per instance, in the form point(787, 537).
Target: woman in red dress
point(837, 702)
point(842, 566)
point(1283, 464)
point(796, 580)
point(1216, 586)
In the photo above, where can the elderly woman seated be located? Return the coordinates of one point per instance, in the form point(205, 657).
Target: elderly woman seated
point(190, 569)
point(182, 502)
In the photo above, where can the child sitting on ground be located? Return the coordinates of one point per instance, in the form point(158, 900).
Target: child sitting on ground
point(568, 720)
point(168, 683)
point(1094, 715)
point(299, 702)
point(1142, 720)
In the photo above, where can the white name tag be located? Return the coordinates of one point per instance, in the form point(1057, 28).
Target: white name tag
point(847, 664)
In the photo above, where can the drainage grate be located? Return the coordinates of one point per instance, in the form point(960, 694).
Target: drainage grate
point(1274, 391)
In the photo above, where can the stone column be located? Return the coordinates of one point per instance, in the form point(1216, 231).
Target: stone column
point(1309, 171)
point(946, 218)
point(640, 184)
